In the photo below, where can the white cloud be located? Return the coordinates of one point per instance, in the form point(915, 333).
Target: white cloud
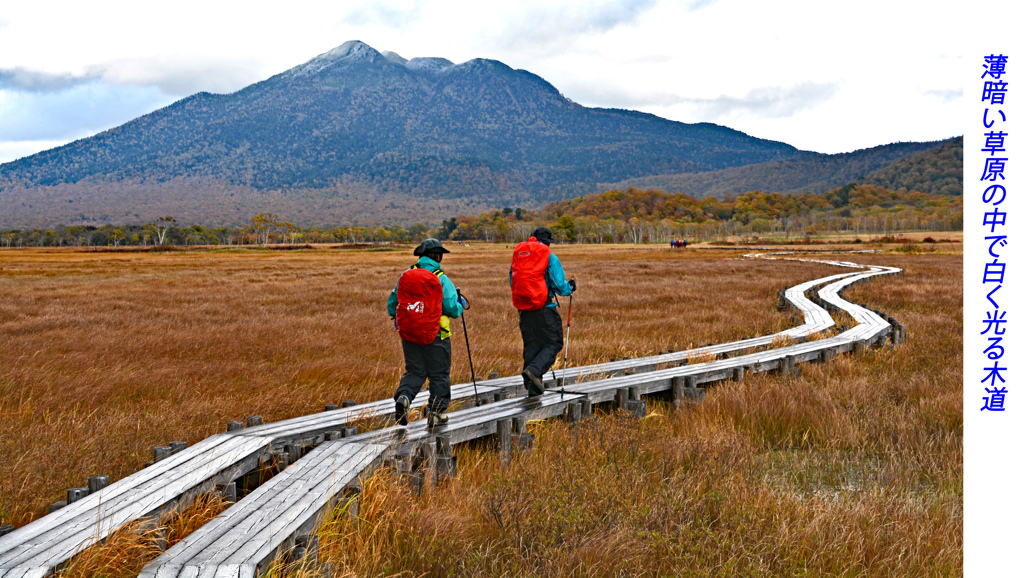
point(546, 26)
point(950, 95)
point(819, 75)
point(73, 113)
point(768, 102)
point(394, 13)
point(20, 79)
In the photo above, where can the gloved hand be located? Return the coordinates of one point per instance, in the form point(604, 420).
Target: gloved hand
point(572, 283)
point(395, 321)
point(463, 302)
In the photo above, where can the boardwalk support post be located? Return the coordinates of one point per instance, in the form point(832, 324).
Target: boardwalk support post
point(678, 395)
point(447, 466)
point(573, 412)
point(522, 442)
point(161, 452)
point(307, 546)
point(75, 494)
point(586, 408)
point(353, 491)
point(229, 492)
point(621, 398)
point(504, 436)
point(97, 483)
point(786, 365)
point(428, 461)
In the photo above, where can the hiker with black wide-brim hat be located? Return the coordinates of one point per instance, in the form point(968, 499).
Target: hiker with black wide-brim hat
point(421, 305)
point(536, 277)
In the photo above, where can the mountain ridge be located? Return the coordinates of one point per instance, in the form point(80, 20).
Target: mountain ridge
point(355, 122)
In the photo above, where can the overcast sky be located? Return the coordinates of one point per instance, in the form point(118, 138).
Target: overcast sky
point(823, 76)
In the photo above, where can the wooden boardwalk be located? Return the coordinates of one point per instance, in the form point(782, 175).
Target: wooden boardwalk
point(267, 521)
point(252, 531)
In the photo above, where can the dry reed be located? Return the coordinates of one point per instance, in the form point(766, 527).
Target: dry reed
point(852, 469)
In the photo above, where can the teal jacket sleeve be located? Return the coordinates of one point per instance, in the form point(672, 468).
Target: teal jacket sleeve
point(555, 278)
point(450, 305)
point(393, 302)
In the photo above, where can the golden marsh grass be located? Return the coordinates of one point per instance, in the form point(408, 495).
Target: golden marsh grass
point(853, 468)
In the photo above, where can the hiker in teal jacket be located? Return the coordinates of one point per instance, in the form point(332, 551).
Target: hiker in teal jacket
point(555, 278)
point(433, 361)
point(542, 329)
point(451, 306)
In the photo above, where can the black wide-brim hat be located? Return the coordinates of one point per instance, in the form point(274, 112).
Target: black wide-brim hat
point(429, 246)
point(543, 234)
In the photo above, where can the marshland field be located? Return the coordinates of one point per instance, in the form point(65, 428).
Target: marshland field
point(852, 468)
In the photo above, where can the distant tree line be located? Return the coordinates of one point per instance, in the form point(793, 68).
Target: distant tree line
point(619, 216)
point(641, 216)
point(264, 229)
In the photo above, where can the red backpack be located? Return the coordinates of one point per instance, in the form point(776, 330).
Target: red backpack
point(529, 267)
point(419, 305)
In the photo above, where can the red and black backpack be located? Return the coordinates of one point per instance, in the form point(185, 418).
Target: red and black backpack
point(419, 305)
point(529, 267)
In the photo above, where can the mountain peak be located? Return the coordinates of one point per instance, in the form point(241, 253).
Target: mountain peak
point(429, 66)
point(394, 57)
point(351, 52)
point(351, 49)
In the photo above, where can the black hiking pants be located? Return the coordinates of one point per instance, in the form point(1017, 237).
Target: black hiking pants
point(433, 362)
point(542, 339)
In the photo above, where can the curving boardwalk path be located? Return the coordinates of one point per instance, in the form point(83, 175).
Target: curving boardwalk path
point(326, 466)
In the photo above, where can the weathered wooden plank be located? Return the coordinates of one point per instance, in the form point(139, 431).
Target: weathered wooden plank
point(284, 503)
point(89, 505)
point(227, 571)
point(59, 543)
point(241, 519)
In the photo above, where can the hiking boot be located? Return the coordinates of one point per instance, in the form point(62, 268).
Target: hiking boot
point(534, 385)
point(402, 410)
point(435, 418)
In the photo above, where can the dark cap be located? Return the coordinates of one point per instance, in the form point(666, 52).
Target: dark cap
point(429, 246)
point(543, 235)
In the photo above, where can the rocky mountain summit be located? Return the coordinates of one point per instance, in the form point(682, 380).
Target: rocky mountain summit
point(355, 122)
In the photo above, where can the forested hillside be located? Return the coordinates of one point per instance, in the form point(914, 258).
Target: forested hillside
point(938, 171)
point(818, 173)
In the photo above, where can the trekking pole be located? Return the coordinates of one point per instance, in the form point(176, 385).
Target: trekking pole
point(469, 354)
point(565, 354)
